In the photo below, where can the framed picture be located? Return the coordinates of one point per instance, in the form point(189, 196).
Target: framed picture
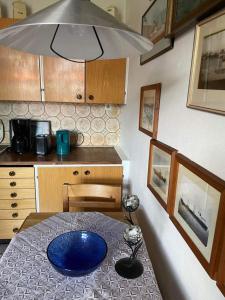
point(160, 171)
point(156, 23)
point(149, 109)
point(207, 81)
point(198, 210)
point(187, 12)
point(164, 45)
point(221, 272)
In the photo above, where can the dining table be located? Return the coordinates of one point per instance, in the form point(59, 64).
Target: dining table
point(26, 273)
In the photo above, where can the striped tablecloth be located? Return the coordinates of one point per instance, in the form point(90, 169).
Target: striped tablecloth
point(25, 272)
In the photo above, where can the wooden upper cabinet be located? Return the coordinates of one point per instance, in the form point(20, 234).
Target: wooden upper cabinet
point(64, 81)
point(20, 75)
point(105, 81)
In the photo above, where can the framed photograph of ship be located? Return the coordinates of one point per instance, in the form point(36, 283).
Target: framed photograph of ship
point(207, 81)
point(198, 210)
point(149, 109)
point(156, 23)
point(160, 171)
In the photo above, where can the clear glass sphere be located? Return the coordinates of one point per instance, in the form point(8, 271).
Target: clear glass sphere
point(130, 202)
point(133, 234)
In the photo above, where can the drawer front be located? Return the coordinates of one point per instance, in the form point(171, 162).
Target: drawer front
point(16, 172)
point(17, 193)
point(17, 183)
point(102, 175)
point(17, 204)
point(15, 214)
point(8, 228)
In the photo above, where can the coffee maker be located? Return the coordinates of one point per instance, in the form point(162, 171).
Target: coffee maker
point(20, 135)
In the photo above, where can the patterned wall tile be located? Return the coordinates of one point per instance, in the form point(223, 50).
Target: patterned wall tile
point(98, 123)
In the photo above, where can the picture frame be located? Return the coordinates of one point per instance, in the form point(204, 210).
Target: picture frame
point(198, 210)
point(149, 109)
point(164, 45)
point(161, 171)
point(207, 79)
point(186, 13)
point(221, 271)
point(156, 24)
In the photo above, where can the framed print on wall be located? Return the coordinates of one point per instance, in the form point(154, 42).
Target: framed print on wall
point(149, 109)
point(221, 271)
point(198, 210)
point(187, 12)
point(160, 171)
point(207, 80)
point(156, 23)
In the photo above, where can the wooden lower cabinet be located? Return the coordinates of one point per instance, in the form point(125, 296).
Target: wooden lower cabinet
point(17, 198)
point(51, 180)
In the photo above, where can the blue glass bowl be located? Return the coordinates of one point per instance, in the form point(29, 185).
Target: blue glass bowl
point(77, 253)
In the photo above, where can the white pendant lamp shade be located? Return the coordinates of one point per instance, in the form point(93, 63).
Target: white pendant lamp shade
point(77, 30)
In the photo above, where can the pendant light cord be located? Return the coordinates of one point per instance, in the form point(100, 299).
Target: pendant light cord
point(3, 131)
point(75, 61)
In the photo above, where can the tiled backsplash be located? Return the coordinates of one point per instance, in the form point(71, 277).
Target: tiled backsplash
point(98, 123)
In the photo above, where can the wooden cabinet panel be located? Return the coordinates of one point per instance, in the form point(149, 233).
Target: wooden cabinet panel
point(17, 183)
point(50, 181)
point(63, 80)
point(15, 214)
point(14, 173)
point(20, 74)
point(5, 22)
point(105, 81)
point(8, 228)
point(101, 175)
point(17, 204)
point(17, 193)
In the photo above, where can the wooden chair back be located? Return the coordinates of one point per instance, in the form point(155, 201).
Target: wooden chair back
point(97, 197)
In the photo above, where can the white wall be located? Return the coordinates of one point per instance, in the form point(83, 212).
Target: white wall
point(36, 5)
point(198, 135)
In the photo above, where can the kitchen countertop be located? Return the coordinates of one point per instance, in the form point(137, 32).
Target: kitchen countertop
point(79, 155)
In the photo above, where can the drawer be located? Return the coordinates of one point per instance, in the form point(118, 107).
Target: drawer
point(17, 204)
point(8, 228)
point(17, 193)
point(15, 214)
point(17, 183)
point(102, 175)
point(16, 172)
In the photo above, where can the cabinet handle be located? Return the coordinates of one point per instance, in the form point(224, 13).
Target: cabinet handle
point(75, 173)
point(91, 97)
point(15, 215)
point(13, 195)
point(13, 183)
point(79, 96)
point(13, 205)
point(87, 172)
point(15, 230)
point(12, 173)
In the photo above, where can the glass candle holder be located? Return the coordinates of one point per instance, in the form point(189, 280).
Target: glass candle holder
point(130, 204)
point(131, 267)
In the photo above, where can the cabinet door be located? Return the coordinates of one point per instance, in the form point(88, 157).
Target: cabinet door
point(63, 80)
point(105, 81)
point(102, 175)
point(50, 181)
point(19, 76)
